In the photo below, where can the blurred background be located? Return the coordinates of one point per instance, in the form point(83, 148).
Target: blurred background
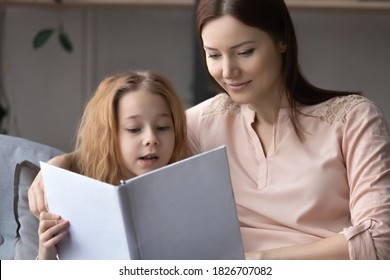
point(45, 89)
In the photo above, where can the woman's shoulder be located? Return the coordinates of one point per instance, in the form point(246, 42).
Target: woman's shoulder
point(338, 108)
point(219, 104)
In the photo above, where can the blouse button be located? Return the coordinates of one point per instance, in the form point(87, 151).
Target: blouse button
point(367, 223)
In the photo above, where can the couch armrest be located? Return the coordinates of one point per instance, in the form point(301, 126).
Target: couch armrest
point(14, 150)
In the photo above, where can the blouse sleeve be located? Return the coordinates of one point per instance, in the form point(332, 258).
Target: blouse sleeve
point(366, 149)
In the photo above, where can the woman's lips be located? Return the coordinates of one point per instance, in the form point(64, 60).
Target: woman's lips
point(237, 86)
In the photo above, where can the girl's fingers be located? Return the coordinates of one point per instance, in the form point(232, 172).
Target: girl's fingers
point(54, 240)
point(52, 228)
point(47, 220)
point(48, 216)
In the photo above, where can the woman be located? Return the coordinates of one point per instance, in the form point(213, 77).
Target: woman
point(310, 167)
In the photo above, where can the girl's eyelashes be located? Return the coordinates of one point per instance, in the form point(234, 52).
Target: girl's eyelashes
point(133, 130)
point(160, 128)
point(163, 128)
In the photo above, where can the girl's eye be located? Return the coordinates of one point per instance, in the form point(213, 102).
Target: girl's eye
point(163, 128)
point(133, 130)
point(247, 52)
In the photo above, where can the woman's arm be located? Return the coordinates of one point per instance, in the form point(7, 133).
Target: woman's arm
point(36, 193)
point(366, 149)
point(331, 248)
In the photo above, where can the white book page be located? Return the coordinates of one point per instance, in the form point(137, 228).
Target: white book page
point(92, 207)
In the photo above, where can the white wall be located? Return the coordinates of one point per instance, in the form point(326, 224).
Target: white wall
point(48, 88)
point(43, 86)
point(347, 50)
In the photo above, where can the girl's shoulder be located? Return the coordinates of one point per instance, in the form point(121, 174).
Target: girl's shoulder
point(338, 108)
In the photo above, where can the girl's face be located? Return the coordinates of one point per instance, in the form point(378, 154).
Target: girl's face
point(244, 60)
point(146, 132)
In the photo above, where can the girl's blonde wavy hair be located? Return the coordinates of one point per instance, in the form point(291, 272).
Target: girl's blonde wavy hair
point(97, 153)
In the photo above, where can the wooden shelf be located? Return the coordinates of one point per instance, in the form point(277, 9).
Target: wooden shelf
point(377, 5)
point(104, 2)
point(340, 4)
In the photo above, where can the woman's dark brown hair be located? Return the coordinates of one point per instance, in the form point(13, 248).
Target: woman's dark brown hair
point(271, 16)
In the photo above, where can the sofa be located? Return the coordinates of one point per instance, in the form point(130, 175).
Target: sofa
point(18, 168)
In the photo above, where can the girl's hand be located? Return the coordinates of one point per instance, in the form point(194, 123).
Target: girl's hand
point(52, 229)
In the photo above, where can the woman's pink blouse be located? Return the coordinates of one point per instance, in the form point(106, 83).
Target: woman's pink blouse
point(336, 181)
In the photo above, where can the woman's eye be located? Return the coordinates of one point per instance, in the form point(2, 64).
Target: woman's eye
point(213, 56)
point(247, 52)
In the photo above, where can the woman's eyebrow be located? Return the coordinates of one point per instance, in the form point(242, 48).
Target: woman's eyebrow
point(233, 47)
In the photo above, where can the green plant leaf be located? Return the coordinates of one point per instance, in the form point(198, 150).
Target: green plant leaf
point(41, 37)
point(65, 41)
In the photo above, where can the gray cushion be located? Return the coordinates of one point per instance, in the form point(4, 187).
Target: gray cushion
point(26, 245)
point(15, 150)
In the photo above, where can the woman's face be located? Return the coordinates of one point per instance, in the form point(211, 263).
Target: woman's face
point(146, 132)
point(244, 60)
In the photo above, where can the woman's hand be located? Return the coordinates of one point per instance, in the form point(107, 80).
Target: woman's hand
point(52, 229)
point(36, 193)
point(331, 248)
point(36, 196)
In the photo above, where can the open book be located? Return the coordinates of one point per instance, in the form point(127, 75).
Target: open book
point(185, 210)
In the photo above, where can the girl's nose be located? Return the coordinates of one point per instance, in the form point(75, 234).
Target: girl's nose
point(151, 138)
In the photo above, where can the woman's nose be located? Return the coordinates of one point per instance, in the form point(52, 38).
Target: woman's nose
point(229, 69)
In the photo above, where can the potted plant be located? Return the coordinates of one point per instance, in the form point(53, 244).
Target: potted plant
point(40, 38)
point(43, 35)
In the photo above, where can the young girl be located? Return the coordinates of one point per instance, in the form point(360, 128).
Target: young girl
point(133, 124)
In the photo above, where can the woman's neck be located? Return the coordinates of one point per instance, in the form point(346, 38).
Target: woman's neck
point(267, 111)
